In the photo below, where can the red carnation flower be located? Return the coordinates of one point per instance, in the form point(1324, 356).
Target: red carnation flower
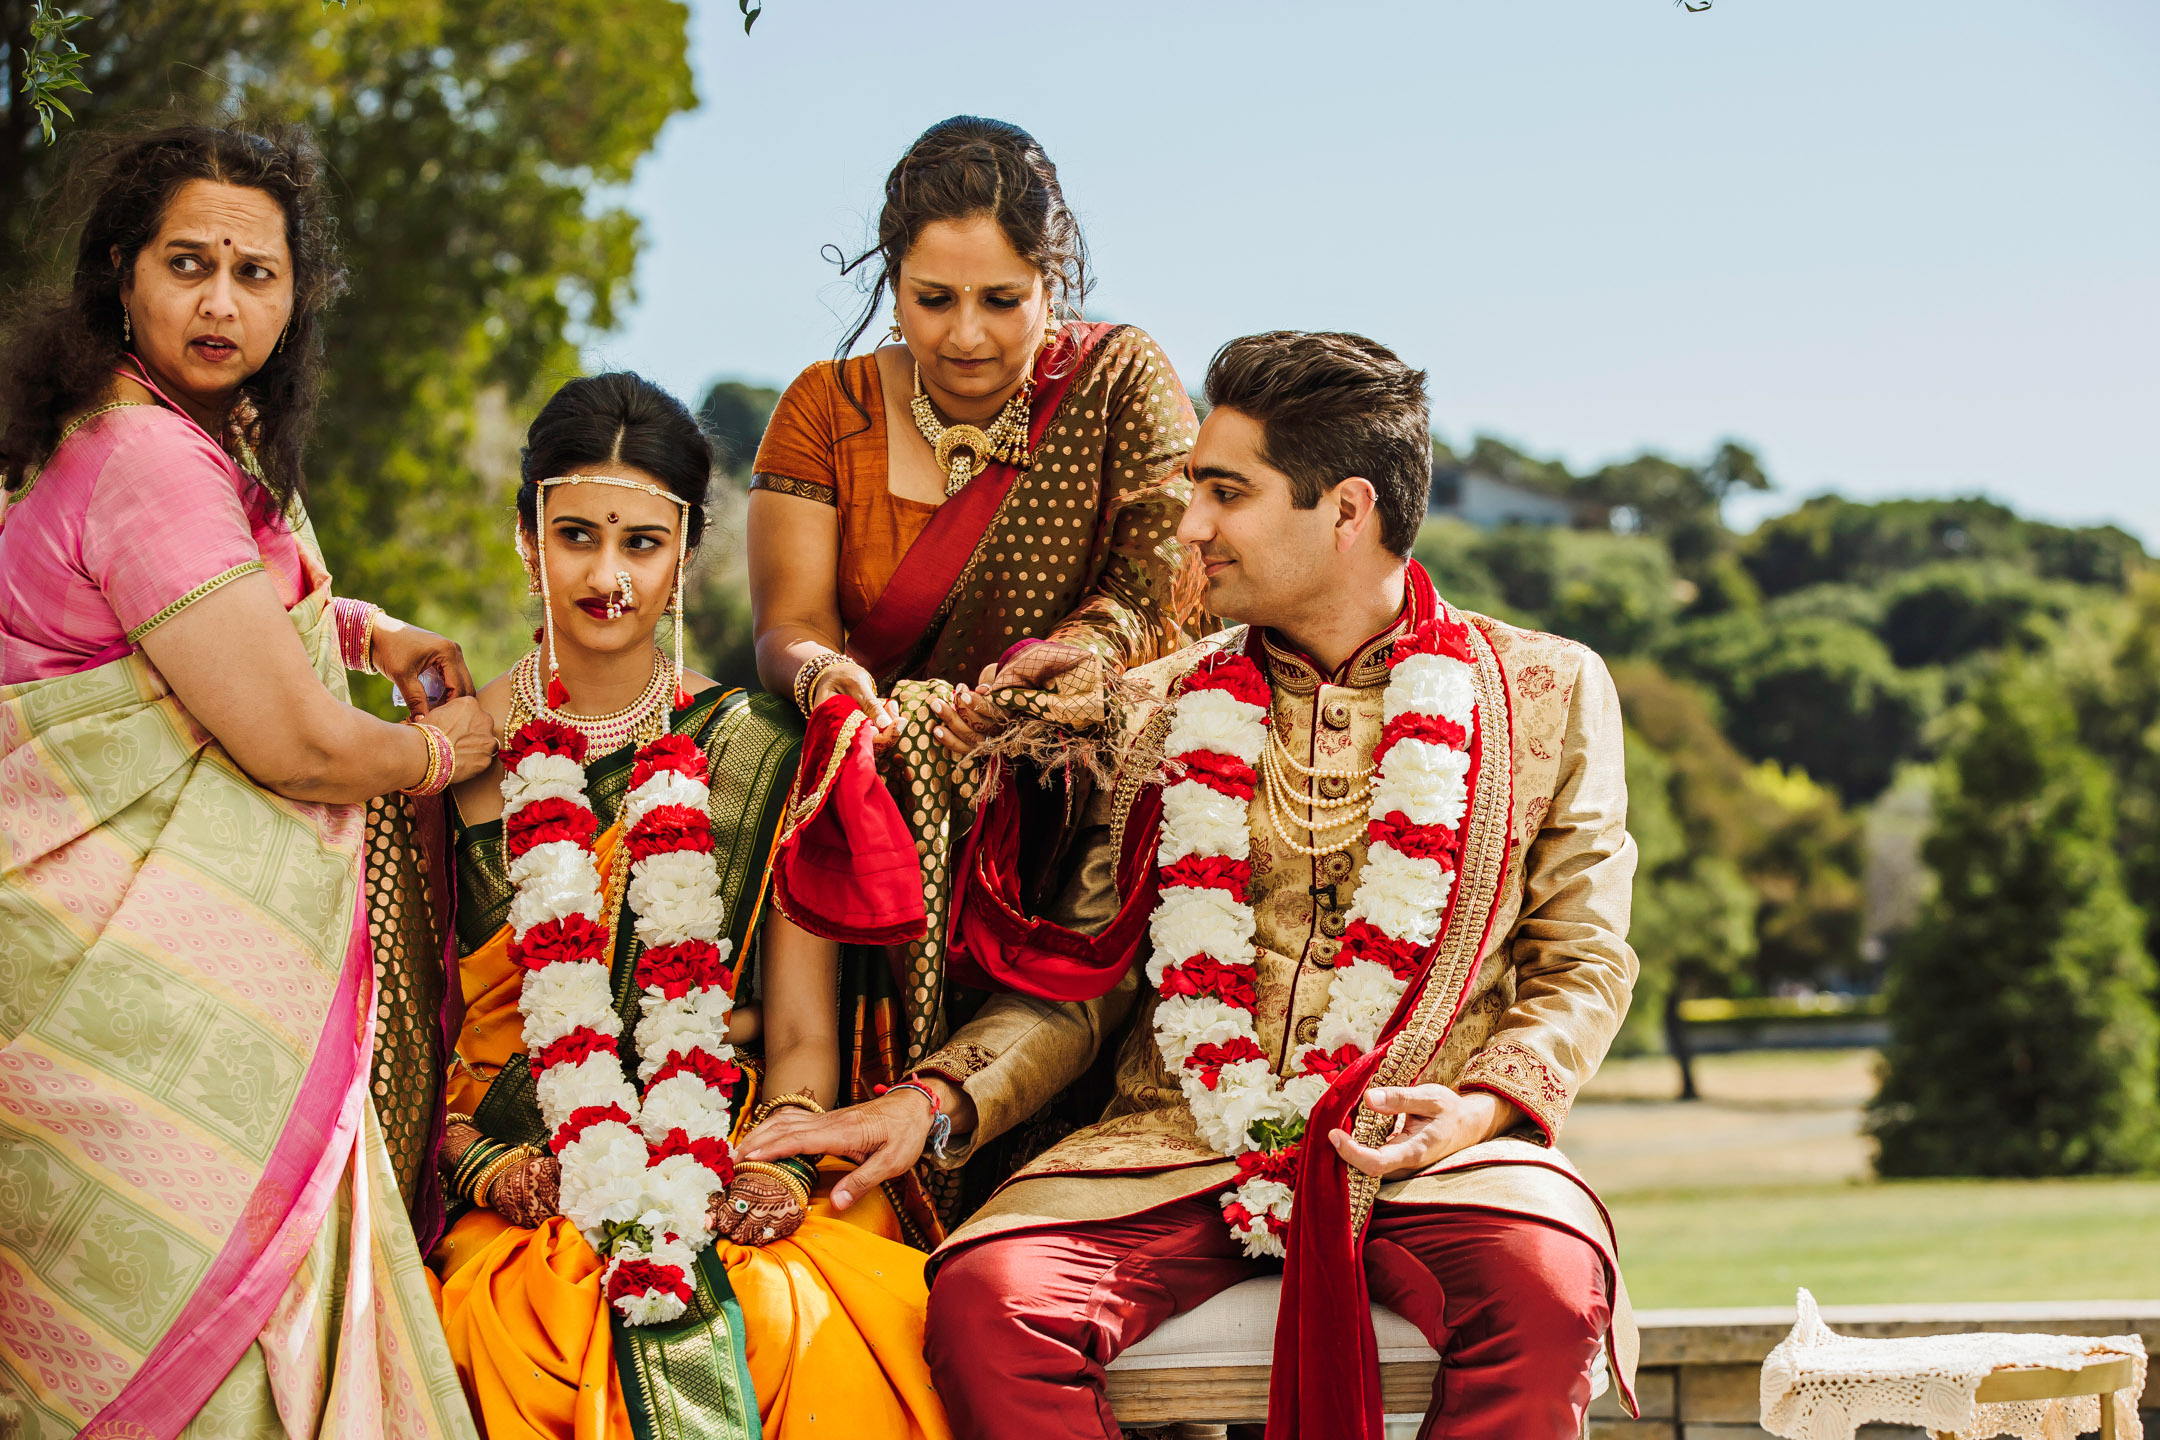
point(1234, 985)
point(582, 1119)
point(1436, 637)
point(670, 752)
point(569, 938)
point(1233, 673)
point(1225, 774)
point(1419, 842)
point(1415, 725)
point(713, 1154)
point(543, 736)
point(1330, 1063)
point(676, 970)
point(1209, 872)
point(1209, 1060)
point(670, 827)
point(544, 821)
point(717, 1073)
point(577, 1046)
point(645, 1277)
point(1280, 1166)
point(1365, 941)
point(1238, 1216)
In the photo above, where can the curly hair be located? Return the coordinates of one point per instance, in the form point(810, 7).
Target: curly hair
point(63, 341)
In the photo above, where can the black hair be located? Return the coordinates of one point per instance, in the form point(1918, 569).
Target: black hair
point(1332, 405)
point(618, 418)
point(64, 340)
point(959, 169)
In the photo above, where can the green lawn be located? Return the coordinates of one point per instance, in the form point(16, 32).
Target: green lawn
point(1905, 1241)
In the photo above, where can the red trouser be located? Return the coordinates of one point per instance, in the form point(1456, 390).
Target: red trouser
point(1021, 1326)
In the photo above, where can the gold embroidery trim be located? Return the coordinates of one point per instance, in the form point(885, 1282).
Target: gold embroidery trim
point(213, 583)
point(1521, 1074)
point(67, 431)
point(800, 489)
point(807, 807)
point(1484, 859)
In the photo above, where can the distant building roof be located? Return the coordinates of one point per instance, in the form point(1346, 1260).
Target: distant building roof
point(1489, 502)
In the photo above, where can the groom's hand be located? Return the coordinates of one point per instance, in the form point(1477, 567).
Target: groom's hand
point(1433, 1122)
point(885, 1136)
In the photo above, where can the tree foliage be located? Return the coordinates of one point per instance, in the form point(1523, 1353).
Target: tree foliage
point(1830, 539)
point(2025, 1040)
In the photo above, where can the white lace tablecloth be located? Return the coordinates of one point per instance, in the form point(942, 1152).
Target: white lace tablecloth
point(1820, 1385)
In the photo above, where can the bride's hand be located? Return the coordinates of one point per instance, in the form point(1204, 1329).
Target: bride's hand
point(755, 1210)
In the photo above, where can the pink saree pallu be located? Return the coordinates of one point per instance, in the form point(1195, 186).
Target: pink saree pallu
point(200, 1228)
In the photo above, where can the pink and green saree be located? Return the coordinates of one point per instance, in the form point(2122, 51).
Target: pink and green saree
point(201, 1225)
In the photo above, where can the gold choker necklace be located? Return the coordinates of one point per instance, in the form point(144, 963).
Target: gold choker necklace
point(965, 451)
point(604, 734)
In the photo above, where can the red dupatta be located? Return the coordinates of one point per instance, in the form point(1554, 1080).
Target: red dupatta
point(903, 624)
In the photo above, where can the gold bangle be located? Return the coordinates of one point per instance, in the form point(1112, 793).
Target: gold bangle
point(800, 1100)
point(456, 1117)
point(485, 1180)
point(806, 676)
point(367, 641)
point(791, 1182)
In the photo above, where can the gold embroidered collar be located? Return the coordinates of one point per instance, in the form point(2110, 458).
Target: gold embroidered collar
point(1367, 668)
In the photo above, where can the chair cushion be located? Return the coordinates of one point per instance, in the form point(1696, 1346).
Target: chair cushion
point(1237, 1327)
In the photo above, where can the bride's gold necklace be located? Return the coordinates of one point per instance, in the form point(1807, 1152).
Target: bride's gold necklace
point(965, 451)
point(604, 734)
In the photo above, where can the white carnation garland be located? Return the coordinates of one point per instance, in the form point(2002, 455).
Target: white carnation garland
point(1203, 926)
point(638, 1174)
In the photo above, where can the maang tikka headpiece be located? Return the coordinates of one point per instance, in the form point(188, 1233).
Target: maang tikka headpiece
point(555, 693)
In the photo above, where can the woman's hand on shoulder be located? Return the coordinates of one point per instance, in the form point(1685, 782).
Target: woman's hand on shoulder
point(404, 653)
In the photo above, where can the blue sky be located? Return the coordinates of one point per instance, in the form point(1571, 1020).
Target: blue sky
point(1900, 248)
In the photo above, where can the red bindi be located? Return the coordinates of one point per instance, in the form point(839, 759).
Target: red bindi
point(228, 242)
point(611, 517)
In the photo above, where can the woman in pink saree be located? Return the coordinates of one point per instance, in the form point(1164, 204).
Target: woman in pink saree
point(201, 1225)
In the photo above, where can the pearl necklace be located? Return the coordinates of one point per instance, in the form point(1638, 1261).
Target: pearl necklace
point(604, 734)
point(965, 451)
point(1282, 796)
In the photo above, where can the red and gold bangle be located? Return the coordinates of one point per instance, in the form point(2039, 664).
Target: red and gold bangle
point(442, 761)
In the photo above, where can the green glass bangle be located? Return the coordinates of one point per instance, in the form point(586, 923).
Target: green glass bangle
point(477, 1157)
point(802, 1167)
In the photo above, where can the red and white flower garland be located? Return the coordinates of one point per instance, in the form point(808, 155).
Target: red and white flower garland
point(1203, 926)
point(637, 1174)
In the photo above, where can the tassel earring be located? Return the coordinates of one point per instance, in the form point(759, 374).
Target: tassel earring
point(556, 695)
point(682, 563)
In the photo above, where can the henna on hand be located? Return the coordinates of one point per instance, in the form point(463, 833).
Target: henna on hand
point(755, 1210)
point(527, 1194)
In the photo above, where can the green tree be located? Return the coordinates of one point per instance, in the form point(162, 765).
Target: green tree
point(2024, 1038)
point(734, 415)
point(467, 140)
point(1831, 538)
point(1615, 593)
point(1812, 692)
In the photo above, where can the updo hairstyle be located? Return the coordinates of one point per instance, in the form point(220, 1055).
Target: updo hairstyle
point(959, 169)
point(616, 419)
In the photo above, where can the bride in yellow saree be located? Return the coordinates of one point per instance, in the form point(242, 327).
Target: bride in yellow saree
point(792, 1321)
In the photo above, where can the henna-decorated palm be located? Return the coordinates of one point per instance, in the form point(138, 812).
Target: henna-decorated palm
point(755, 1210)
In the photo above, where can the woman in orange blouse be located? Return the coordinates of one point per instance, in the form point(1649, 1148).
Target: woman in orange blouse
point(987, 505)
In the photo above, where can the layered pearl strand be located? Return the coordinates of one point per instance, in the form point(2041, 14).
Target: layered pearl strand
point(1283, 797)
point(604, 734)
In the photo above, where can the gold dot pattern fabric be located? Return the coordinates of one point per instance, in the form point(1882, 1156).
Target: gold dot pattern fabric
point(1085, 549)
point(935, 796)
point(408, 985)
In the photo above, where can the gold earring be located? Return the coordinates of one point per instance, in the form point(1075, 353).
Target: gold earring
point(1050, 323)
point(894, 332)
point(127, 327)
point(282, 334)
